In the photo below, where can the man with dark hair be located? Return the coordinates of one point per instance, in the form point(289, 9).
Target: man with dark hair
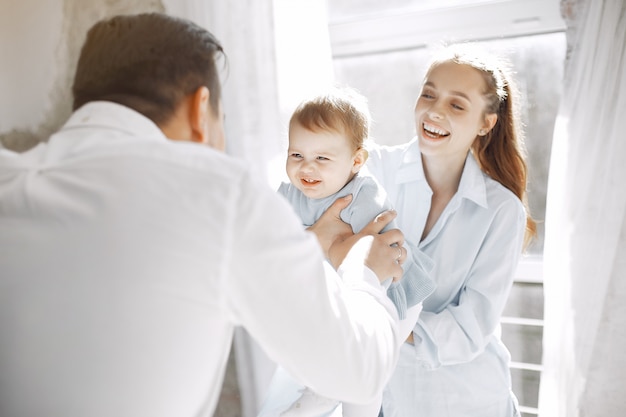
point(127, 259)
point(149, 63)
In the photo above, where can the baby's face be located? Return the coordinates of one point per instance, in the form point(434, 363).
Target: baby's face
point(319, 163)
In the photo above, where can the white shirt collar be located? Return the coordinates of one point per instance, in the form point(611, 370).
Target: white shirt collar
point(471, 187)
point(106, 114)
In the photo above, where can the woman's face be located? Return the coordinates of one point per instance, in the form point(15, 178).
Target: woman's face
point(449, 113)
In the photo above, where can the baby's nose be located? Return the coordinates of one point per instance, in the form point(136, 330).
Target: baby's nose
point(307, 166)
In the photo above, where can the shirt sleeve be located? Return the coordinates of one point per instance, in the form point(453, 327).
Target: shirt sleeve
point(283, 189)
point(374, 162)
point(369, 200)
point(337, 336)
point(416, 284)
point(460, 332)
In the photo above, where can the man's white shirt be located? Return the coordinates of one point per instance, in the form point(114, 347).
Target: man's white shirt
point(126, 261)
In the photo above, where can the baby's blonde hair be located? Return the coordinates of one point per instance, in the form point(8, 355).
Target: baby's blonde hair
point(342, 110)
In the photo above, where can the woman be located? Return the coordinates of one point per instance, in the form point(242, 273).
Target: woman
point(459, 188)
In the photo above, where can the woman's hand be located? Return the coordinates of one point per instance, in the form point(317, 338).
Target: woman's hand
point(329, 228)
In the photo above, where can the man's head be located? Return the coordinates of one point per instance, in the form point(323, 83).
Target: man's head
point(152, 63)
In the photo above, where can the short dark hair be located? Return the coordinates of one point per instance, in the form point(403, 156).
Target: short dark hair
point(148, 62)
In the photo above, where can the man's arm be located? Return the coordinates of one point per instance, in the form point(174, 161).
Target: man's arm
point(336, 236)
point(337, 336)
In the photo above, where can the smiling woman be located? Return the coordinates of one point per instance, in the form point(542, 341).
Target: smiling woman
point(382, 49)
point(536, 55)
point(459, 188)
point(452, 101)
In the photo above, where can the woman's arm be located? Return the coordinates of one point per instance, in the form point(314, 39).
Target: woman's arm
point(460, 331)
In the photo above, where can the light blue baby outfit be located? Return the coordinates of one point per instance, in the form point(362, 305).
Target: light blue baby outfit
point(368, 200)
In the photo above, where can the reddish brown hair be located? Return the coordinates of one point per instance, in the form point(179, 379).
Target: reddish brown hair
point(500, 153)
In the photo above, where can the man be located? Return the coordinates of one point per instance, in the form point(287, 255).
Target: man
point(127, 259)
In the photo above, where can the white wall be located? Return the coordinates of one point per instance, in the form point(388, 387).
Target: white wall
point(39, 44)
point(29, 35)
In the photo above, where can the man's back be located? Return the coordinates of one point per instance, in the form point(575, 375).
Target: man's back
point(76, 298)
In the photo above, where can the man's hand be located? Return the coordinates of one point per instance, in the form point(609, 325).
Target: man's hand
point(329, 228)
point(385, 255)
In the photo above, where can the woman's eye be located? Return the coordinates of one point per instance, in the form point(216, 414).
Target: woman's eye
point(427, 95)
point(457, 107)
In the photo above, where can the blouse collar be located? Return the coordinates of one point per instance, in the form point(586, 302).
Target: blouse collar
point(473, 179)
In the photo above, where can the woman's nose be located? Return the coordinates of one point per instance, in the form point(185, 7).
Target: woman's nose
point(435, 112)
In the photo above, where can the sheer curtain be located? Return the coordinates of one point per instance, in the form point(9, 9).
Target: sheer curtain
point(585, 252)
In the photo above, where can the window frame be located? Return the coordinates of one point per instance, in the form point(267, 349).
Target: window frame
point(411, 27)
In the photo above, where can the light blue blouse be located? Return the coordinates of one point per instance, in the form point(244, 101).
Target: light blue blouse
point(458, 365)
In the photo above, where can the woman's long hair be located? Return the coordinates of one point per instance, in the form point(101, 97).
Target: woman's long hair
point(500, 153)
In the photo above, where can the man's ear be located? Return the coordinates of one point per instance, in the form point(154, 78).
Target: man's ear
point(360, 156)
point(199, 115)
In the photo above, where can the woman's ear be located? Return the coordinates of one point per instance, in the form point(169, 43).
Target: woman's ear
point(360, 157)
point(199, 115)
point(488, 124)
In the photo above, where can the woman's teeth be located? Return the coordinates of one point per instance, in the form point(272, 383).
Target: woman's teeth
point(434, 131)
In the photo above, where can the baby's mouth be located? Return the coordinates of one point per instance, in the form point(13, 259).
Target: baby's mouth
point(309, 181)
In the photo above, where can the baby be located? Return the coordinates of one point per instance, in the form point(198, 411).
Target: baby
point(325, 161)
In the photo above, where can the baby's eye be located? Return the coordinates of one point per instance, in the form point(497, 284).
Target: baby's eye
point(295, 155)
point(322, 158)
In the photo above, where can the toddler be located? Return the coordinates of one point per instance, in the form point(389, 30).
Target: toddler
point(325, 161)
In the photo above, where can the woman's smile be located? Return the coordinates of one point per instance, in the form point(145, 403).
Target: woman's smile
point(434, 132)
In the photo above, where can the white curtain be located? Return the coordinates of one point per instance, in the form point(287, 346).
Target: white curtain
point(585, 251)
